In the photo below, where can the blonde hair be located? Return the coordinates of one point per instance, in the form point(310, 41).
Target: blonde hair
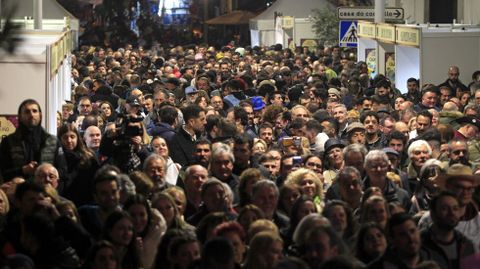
point(297, 176)
point(259, 247)
point(261, 225)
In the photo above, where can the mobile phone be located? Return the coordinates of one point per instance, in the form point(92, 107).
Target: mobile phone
point(287, 141)
point(297, 161)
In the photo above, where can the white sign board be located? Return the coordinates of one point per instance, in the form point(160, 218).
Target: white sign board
point(368, 13)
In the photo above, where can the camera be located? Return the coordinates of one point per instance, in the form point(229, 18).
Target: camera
point(126, 127)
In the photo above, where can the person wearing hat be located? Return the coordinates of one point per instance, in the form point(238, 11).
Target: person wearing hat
point(469, 128)
point(191, 94)
point(356, 133)
point(132, 105)
point(334, 159)
point(461, 181)
point(334, 94)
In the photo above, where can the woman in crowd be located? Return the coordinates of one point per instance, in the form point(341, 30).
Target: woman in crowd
point(106, 109)
point(119, 230)
point(370, 243)
point(82, 165)
point(265, 250)
point(202, 101)
point(160, 147)
point(288, 194)
point(178, 195)
point(165, 204)
point(234, 232)
point(102, 255)
point(208, 224)
point(375, 209)
point(314, 163)
point(309, 184)
point(426, 187)
point(341, 217)
point(302, 207)
point(376, 167)
point(259, 146)
point(249, 214)
point(149, 225)
point(183, 251)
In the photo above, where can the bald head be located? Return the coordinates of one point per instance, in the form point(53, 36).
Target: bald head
point(195, 176)
point(46, 174)
point(450, 106)
point(453, 73)
point(92, 137)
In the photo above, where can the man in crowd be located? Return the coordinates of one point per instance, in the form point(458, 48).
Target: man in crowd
point(29, 146)
point(183, 143)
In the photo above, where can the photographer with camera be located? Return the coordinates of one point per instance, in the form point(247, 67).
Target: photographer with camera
point(125, 141)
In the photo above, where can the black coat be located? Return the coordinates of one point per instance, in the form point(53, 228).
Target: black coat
point(79, 184)
point(182, 148)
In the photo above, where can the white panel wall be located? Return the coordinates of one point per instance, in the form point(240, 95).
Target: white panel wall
point(20, 81)
point(407, 66)
point(440, 51)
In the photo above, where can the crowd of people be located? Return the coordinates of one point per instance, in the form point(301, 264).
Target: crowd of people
point(254, 158)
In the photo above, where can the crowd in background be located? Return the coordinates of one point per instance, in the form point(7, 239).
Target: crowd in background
point(256, 158)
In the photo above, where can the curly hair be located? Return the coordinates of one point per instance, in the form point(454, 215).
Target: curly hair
point(299, 175)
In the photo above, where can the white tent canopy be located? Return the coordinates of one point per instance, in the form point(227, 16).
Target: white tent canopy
point(262, 27)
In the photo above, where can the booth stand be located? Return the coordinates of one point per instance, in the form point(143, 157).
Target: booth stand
point(419, 51)
point(39, 69)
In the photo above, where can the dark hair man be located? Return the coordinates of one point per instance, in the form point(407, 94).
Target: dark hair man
point(168, 122)
point(405, 244)
point(183, 143)
point(441, 241)
point(107, 197)
point(29, 146)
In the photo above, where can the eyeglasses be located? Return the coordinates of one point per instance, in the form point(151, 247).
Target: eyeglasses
point(457, 152)
point(377, 165)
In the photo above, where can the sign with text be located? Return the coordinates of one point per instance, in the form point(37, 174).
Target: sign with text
point(368, 13)
point(386, 33)
point(408, 36)
point(367, 29)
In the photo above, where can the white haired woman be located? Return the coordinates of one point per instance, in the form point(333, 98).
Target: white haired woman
point(376, 168)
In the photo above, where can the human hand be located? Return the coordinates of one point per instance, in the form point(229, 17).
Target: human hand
point(29, 169)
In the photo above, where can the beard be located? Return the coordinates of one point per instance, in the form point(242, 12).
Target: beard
point(447, 225)
point(461, 160)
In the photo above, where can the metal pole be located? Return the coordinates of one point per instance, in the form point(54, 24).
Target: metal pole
point(379, 11)
point(38, 14)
